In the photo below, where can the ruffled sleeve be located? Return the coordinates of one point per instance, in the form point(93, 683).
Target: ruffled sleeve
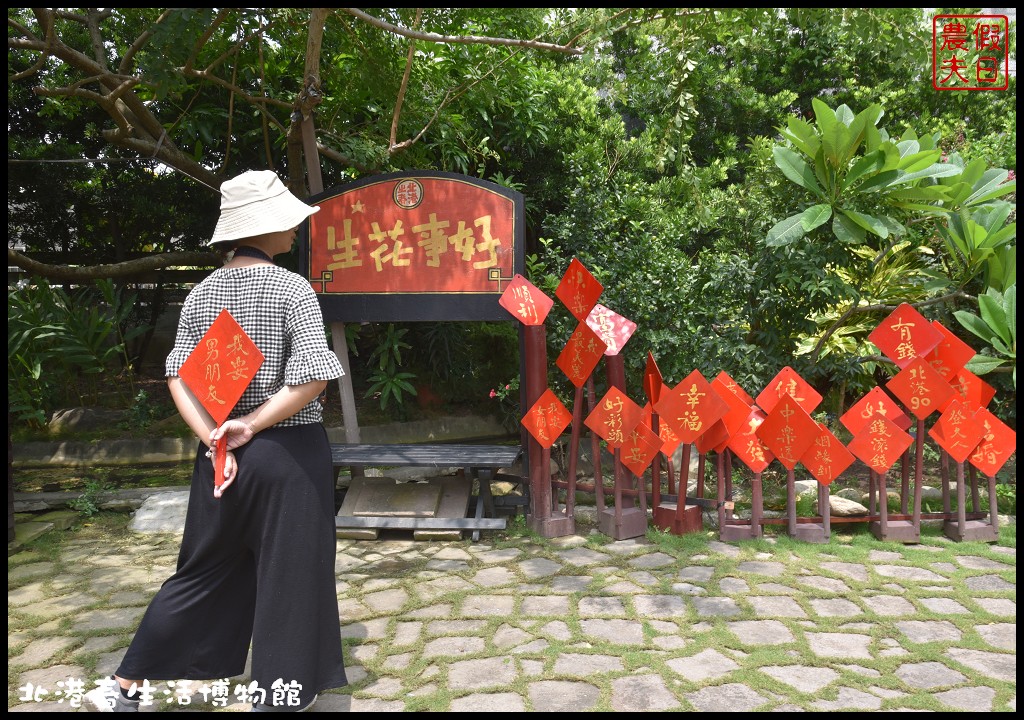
point(310, 358)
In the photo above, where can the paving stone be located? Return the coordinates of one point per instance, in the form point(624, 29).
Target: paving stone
point(562, 696)
point(641, 693)
point(545, 606)
point(771, 569)
point(659, 606)
point(776, 607)
point(889, 605)
point(538, 567)
point(571, 583)
point(840, 645)
point(771, 588)
point(621, 632)
point(488, 605)
point(643, 578)
point(849, 698)
point(373, 705)
point(733, 586)
point(927, 675)
point(924, 631)
point(706, 665)
point(652, 560)
point(988, 583)
point(997, 606)
point(39, 651)
point(447, 627)
point(482, 673)
point(117, 618)
point(832, 585)
point(492, 577)
point(601, 607)
point(802, 678)
point(999, 635)
point(629, 546)
point(717, 546)
point(688, 589)
point(973, 562)
point(886, 693)
point(760, 632)
point(696, 573)
point(906, 572)
point(580, 665)
point(30, 570)
point(944, 606)
point(582, 557)
point(972, 699)
point(731, 697)
point(716, 606)
point(883, 556)
point(998, 666)
point(498, 556)
point(557, 630)
point(453, 647)
point(508, 636)
point(850, 570)
point(835, 607)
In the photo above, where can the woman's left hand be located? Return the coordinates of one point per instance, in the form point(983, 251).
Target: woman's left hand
point(230, 473)
point(236, 432)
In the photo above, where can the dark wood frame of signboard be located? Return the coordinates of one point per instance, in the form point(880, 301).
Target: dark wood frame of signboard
point(479, 462)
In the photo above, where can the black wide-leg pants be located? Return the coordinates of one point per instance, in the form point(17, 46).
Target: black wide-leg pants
point(256, 565)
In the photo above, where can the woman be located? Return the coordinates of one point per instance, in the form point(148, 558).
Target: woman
point(257, 556)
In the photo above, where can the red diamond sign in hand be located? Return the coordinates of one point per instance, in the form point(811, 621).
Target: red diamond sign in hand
point(876, 403)
point(611, 327)
point(221, 367)
point(581, 354)
point(905, 335)
point(950, 355)
point(788, 431)
point(614, 417)
point(578, 290)
point(788, 382)
point(956, 432)
point(691, 407)
point(547, 419)
point(827, 458)
point(747, 446)
point(920, 387)
point(525, 301)
point(997, 444)
point(970, 389)
point(879, 443)
point(640, 448)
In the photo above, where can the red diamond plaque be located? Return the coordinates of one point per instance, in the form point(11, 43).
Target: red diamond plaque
point(614, 417)
point(826, 458)
point(788, 431)
point(997, 444)
point(788, 382)
point(747, 446)
point(653, 381)
point(971, 389)
point(879, 443)
point(581, 354)
point(639, 449)
point(547, 419)
point(691, 407)
point(957, 432)
point(221, 367)
point(526, 302)
point(578, 290)
point(920, 387)
point(876, 403)
point(669, 440)
point(905, 335)
point(611, 327)
point(724, 380)
point(950, 355)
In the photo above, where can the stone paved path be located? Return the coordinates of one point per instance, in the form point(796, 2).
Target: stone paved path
point(581, 624)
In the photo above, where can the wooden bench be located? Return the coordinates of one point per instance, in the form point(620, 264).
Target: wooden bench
point(476, 462)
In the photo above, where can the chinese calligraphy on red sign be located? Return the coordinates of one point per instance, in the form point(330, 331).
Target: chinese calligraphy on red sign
point(950, 355)
point(639, 449)
point(580, 354)
point(221, 367)
point(827, 457)
point(614, 329)
point(578, 290)
point(875, 403)
point(879, 443)
point(691, 407)
point(970, 52)
point(788, 431)
point(748, 447)
point(528, 303)
point(547, 419)
point(614, 418)
point(920, 387)
point(788, 383)
point(998, 443)
point(412, 235)
point(905, 335)
point(957, 432)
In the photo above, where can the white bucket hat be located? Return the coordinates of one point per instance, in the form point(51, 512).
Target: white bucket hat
point(257, 202)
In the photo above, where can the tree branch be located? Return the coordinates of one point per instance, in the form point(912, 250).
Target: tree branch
point(125, 269)
point(458, 39)
point(405, 84)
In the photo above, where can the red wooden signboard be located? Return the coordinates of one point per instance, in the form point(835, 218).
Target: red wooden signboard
point(547, 419)
point(725, 380)
point(874, 404)
point(950, 355)
point(221, 367)
point(905, 335)
point(581, 354)
point(639, 449)
point(957, 432)
point(653, 381)
point(827, 458)
point(971, 389)
point(611, 327)
point(920, 387)
point(788, 431)
point(578, 290)
point(614, 417)
point(997, 444)
point(715, 438)
point(788, 382)
point(879, 443)
point(747, 445)
point(736, 416)
point(526, 302)
point(691, 407)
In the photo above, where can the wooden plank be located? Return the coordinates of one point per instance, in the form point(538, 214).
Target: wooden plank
point(431, 456)
point(407, 523)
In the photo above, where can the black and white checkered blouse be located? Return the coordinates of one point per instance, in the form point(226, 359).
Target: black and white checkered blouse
point(279, 311)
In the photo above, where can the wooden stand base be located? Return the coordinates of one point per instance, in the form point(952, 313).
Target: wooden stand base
point(732, 533)
point(665, 517)
point(812, 532)
point(971, 530)
point(556, 525)
point(631, 523)
point(897, 531)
